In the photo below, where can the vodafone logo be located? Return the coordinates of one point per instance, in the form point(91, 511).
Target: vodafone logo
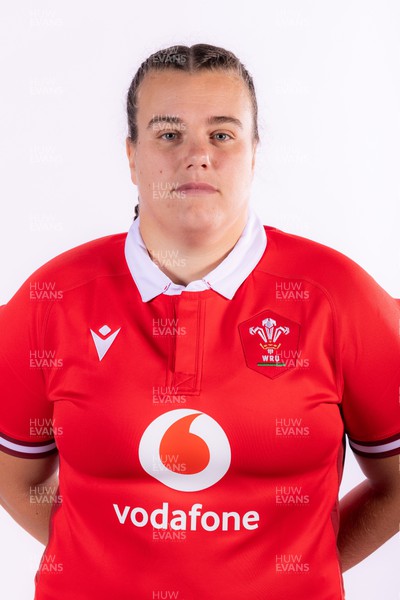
point(185, 450)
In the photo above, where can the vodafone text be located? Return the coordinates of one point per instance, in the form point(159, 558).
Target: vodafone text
point(193, 519)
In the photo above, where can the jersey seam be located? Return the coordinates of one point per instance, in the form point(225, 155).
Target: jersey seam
point(377, 441)
point(339, 475)
point(78, 285)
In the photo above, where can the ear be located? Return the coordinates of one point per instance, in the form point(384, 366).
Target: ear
point(131, 154)
point(253, 159)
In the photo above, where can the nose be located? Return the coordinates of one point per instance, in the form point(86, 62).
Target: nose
point(198, 156)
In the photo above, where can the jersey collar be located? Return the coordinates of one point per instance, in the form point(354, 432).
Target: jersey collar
point(224, 279)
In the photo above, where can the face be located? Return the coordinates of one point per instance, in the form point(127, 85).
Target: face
point(193, 161)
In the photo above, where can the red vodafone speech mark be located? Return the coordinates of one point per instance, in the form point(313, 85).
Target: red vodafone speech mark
point(187, 449)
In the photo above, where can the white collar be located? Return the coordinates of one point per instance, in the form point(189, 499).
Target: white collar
point(224, 279)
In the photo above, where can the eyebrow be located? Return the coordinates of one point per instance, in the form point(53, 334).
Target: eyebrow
point(221, 120)
point(217, 120)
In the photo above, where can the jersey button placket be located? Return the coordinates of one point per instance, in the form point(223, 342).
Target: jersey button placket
point(187, 344)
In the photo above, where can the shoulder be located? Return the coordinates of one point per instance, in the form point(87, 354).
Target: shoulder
point(344, 283)
point(291, 255)
point(101, 257)
point(305, 254)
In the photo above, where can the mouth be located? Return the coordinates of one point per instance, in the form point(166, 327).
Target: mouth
point(196, 187)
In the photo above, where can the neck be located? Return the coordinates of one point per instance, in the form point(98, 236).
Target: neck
point(188, 256)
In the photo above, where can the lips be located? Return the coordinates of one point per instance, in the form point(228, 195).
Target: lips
point(196, 186)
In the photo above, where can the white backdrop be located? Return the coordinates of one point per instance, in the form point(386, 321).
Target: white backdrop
point(328, 85)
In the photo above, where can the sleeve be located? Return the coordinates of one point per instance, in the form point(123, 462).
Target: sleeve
point(369, 350)
point(25, 412)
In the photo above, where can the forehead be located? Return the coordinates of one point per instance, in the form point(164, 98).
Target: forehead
point(204, 93)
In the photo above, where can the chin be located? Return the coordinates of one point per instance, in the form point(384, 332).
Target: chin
point(197, 219)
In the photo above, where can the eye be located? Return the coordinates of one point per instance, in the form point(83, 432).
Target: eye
point(172, 135)
point(222, 137)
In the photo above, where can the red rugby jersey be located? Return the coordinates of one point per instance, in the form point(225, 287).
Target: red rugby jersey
point(200, 438)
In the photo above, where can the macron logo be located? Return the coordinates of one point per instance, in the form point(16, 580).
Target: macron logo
point(104, 340)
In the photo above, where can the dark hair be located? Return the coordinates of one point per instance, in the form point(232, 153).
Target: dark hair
point(191, 59)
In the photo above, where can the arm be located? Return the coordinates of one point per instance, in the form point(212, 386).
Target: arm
point(28, 488)
point(370, 513)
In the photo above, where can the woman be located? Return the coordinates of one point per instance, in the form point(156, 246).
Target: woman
point(194, 379)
